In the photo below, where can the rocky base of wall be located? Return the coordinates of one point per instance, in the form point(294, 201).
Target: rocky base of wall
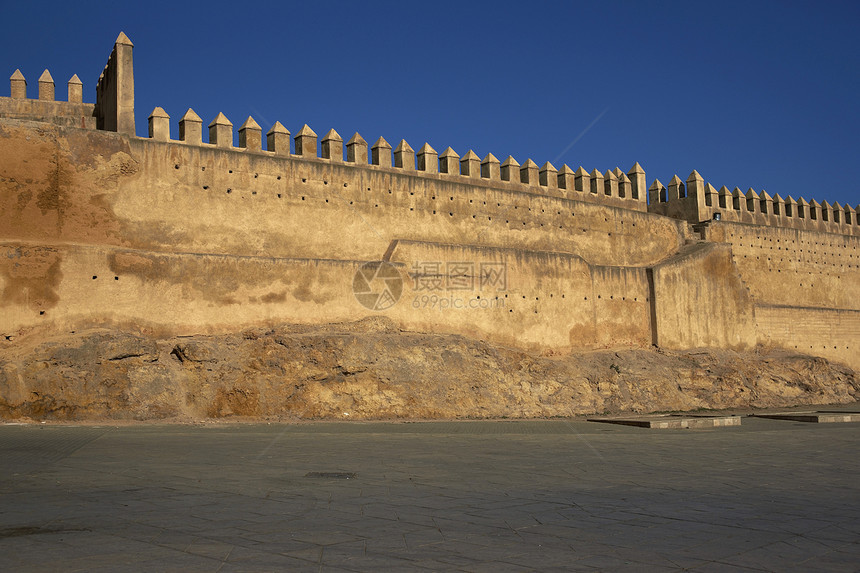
point(370, 369)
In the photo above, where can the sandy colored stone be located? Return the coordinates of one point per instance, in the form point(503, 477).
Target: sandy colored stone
point(371, 369)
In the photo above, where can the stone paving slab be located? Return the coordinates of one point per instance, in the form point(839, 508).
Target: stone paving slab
point(672, 421)
point(819, 417)
point(557, 495)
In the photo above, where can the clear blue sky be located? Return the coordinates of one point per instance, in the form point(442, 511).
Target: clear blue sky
point(754, 94)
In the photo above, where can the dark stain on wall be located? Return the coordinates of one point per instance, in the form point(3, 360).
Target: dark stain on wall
point(215, 278)
point(31, 276)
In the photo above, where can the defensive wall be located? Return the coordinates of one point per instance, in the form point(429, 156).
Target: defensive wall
point(99, 226)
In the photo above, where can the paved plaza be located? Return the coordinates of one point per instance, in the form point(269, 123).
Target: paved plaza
point(558, 495)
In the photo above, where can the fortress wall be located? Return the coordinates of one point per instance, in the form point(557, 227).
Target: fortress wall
point(537, 301)
point(793, 267)
point(760, 209)
point(831, 333)
point(92, 186)
point(72, 286)
point(67, 114)
point(548, 300)
point(63, 187)
point(312, 207)
point(45, 107)
point(700, 300)
point(56, 183)
point(695, 201)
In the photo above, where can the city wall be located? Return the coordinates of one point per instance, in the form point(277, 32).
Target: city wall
point(98, 226)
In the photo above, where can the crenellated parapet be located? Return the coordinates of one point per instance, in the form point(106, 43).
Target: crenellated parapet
point(614, 187)
point(692, 200)
point(695, 201)
point(45, 106)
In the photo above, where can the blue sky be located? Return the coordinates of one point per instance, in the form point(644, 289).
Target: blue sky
point(754, 94)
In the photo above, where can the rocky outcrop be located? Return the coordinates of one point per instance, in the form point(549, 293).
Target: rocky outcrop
point(370, 369)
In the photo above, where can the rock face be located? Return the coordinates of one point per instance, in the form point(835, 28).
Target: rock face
point(369, 369)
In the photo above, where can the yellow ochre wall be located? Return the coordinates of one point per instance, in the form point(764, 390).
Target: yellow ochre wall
point(103, 228)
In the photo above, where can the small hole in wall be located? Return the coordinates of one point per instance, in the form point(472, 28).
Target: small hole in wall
point(279, 195)
point(279, 177)
point(304, 180)
point(229, 190)
point(95, 277)
point(303, 197)
point(203, 168)
point(253, 192)
point(176, 166)
point(116, 278)
point(325, 182)
point(41, 313)
point(345, 184)
point(256, 175)
point(230, 171)
point(205, 187)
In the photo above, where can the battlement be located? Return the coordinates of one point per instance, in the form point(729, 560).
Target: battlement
point(693, 201)
point(696, 201)
point(45, 107)
point(614, 187)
